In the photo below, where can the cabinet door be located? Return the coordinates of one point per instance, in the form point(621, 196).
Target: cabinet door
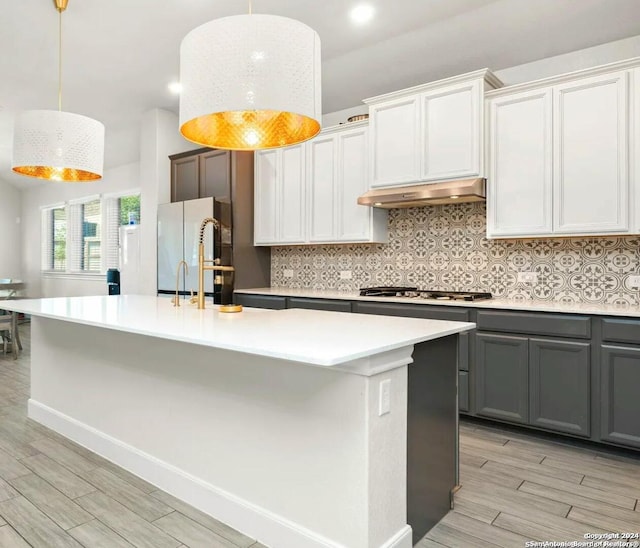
point(519, 197)
point(502, 377)
point(292, 212)
point(395, 142)
point(635, 147)
point(184, 179)
point(590, 156)
point(266, 188)
point(322, 189)
point(463, 391)
point(354, 221)
point(451, 122)
point(560, 388)
point(215, 175)
point(620, 404)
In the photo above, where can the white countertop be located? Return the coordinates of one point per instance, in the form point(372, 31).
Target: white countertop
point(497, 303)
point(309, 336)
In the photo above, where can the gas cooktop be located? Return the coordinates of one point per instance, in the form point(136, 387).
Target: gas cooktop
point(414, 292)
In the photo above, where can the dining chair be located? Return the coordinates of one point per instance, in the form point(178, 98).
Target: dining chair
point(9, 321)
point(9, 325)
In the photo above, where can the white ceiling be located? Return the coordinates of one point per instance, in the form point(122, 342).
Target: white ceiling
point(120, 55)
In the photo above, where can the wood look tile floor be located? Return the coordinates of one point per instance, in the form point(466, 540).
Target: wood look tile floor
point(515, 488)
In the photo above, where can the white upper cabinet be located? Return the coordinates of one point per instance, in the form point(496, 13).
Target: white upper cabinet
point(395, 152)
point(432, 132)
point(634, 174)
point(559, 156)
point(323, 188)
point(310, 196)
point(520, 164)
point(280, 196)
point(452, 138)
point(356, 223)
point(590, 150)
point(266, 191)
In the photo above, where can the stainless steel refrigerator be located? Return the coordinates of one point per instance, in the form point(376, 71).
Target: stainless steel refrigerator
point(178, 239)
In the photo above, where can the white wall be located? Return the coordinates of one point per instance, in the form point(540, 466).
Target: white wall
point(159, 137)
point(569, 62)
point(10, 233)
point(551, 66)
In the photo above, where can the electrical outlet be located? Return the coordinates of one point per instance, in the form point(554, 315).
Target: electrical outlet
point(345, 274)
point(385, 398)
point(634, 282)
point(288, 273)
point(528, 277)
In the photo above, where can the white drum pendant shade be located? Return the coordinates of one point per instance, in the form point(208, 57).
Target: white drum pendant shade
point(58, 146)
point(250, 82)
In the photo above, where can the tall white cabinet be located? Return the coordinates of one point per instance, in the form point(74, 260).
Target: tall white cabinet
point(307, 194)
point(560, 156)
point(431, 132)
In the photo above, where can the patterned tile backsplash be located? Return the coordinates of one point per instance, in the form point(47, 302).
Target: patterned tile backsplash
point(445, 248)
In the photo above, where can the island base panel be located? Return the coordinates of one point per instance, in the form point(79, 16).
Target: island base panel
point(431, 433)
point(294, 455)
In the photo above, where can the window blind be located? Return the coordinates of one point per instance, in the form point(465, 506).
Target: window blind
point(84, 235)
point(53, 242)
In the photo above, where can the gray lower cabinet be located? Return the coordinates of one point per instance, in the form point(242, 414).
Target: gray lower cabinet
point(431, 313)
point(261, 301)
point(463, 391)
point(559, 385)
point(620, 402)
point(502, 377)
point(334, 305)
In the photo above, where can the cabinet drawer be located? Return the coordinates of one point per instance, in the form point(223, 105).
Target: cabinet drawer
point(335, 305)
point(463, 391)
point(559, 325)
point(261, 301)
point(624, 331)
point(412, 311)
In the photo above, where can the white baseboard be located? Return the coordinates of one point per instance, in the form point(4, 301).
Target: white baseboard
point(254, 521)
point(402, 539)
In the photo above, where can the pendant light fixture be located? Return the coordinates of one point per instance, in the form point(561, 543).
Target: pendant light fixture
point(250, 82)
point(57, 145)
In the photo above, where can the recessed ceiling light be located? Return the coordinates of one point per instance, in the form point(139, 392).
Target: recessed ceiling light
point(175, 87)
point(362, 13)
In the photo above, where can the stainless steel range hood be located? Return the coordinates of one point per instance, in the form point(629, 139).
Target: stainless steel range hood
point(450, 192)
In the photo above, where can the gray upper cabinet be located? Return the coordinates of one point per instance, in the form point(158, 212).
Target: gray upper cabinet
point(215, 174)
point(202, 173)
point(620, 403)
point(560, 388)
point(502, 377)
point(184, 179)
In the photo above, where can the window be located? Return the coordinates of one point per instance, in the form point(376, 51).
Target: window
point(121, 210)
point(83, 236)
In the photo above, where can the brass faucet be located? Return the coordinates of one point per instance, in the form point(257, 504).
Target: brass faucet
point(176, 299)
point(215, 264)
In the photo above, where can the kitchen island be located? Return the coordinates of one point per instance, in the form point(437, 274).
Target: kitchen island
point(296, 427)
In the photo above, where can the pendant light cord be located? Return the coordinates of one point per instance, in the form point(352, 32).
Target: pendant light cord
point(250, 7)
point(60, 60)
